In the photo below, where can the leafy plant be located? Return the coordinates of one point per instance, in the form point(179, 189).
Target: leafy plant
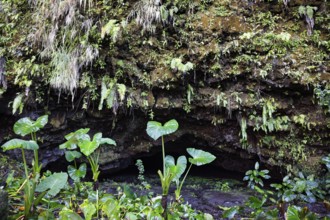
point(156, 130)
point(298, 213)
point(256, 176)
point(88, 147)
point(199, 158)
point(23, 127)
point(308, 13)
point(176, 64)
point(112, 92)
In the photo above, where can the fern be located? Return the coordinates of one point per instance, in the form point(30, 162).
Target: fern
point(176, 63)
point(111, 92)
point(18, 104)
point(112, 28)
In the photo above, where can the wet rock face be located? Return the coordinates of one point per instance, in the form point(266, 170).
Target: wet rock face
point(3, 204)
point(250, 95)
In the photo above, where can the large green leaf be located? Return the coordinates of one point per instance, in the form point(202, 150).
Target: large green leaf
point(72, 155)
point(87, 147)
point(178, 169)
point(292, 213)
point(156, 130)
point(88, 209)
point(69, 215)
point(25, 126)
point(200, 157)
point(76, 174)
point(111, 208)
point(74, 138)
point(22, 144)
point(54, 183)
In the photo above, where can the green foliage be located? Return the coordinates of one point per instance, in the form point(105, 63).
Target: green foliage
point(299, 188)
point(177, 64)
point(111, 28)
point(156, 129)
point(298, 213)
point(20, 144)
point(87, 146)
point(25, 126)
point(256, 176)
point(323, 96)
point(77, 174)
point(177, 169)
point(308, 13)
point(67, 214)
point(73, 139)
point(200, 157)
point(88, 209)
point(112, 92)
point(72, 155)
point(54, 183)
point(144, 183)
point(18, 104)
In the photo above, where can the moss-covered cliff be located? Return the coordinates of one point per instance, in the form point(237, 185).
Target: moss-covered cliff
point(245, 79)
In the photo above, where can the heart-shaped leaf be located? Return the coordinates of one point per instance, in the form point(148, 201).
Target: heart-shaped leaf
point(25, 126)
point(54, 183)
point(178, 169)
point(200, 157)
point(72, 155)
point(76, 174)
point(74, 138)
point(156, 130)
point(87, 147)
point(22, 144)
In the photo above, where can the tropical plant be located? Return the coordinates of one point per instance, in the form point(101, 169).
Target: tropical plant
point(199, 158)
point(51, 185)
point(87, 147)
point(295, 213)
point(156, 130)
point(256, 176)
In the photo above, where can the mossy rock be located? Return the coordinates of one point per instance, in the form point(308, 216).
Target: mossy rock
point(3, 204)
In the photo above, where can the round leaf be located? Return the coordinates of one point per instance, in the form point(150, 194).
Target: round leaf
point(200, 157)
point(22, 144)
point(156, 130)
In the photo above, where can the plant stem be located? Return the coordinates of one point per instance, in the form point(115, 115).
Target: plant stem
point(163, 151)
point(36, 157)
point(25, 165)
point(184, 178)
point(97, 204)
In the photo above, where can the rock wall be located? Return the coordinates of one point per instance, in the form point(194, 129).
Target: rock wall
point(246, 80)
